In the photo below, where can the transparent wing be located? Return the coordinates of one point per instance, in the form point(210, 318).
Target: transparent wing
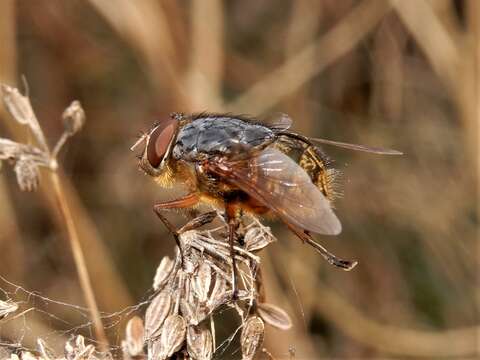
point(278, 121)
point(279, 183)
point(369, 149)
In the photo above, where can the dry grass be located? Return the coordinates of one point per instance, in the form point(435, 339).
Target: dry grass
point(400, 74)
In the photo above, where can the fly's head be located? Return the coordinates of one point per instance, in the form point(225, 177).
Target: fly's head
point(155, 159)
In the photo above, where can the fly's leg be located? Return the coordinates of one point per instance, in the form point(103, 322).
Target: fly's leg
point(346, 265)
point(232, 222)
point(186, 201)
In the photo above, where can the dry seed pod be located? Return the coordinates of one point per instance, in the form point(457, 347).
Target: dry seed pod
point(79, 350)
point(199, 343)
point(218, 293)
point(275, 316)
point(156, 313)
point(172, 336)
point(201, 282)
point(252, 337)
point(45, 351)
point(163, 273)
point(132, 346)
point(188, 311)
point(26, 355)
point(27, 174)
point(18, 105)
point(257, 238)
point(7, 307)
point(73, 117)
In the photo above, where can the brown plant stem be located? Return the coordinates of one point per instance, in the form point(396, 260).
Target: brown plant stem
point(79, 259)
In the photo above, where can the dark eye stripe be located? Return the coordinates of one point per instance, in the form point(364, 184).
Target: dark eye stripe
point(159, 141)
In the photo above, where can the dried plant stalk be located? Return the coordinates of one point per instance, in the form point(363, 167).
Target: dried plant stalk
point(27, 159)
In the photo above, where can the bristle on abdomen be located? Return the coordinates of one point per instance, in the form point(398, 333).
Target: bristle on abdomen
point(319, 168)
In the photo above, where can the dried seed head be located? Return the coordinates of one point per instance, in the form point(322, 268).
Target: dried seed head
point(18, 105)
point(275, 316)
point(172, 336)
point(219, 290)
point(27, 159)
point(156, 313)
point(188, 311)
point(79, 351)
point(133, 344)
point(45, 351)
point(163, 273)
point(252, 337)
point(27, 174)
point(258, 237)
point(201, 281)
point(199, 343)
point(7, 307)
point(26, 355)
point(73, 117)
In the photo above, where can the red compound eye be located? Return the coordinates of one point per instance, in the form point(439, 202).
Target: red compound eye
point(159, 140)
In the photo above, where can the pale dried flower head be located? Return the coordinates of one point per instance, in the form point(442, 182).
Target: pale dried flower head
point(27, 158)
point(6, 308)
point(189, 291)
point(73, 117)
point(132, 346)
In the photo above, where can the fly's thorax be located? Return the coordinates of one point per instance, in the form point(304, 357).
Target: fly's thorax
point(215, 134)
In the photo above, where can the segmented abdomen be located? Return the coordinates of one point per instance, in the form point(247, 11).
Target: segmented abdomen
point(314, 161)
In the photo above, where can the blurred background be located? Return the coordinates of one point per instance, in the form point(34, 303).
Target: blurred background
point(398, 74)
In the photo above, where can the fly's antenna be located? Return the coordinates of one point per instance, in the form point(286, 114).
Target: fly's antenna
point(140, 140)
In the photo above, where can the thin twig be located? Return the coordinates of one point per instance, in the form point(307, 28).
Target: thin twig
point(79, 259)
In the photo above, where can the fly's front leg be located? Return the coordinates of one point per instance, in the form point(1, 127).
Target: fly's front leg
point(187, 201)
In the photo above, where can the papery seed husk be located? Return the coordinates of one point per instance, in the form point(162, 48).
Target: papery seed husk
point(163, 272)
point(218, 291)
point(18, 105)
point(202, 280)
point(256, 239)
point(26, 355)
point(7, 307)
point(27, 174)
point(85, 353)
point(199, 342)
point(44, 350)
point(188, 311)
point(73, 117)
point(275, 316)
point(134, 336)
point(80, 342)
point(252, 337)
point(172, 336)
point(156, 313)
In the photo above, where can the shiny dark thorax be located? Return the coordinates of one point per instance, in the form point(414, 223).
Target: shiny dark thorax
point(212, 136)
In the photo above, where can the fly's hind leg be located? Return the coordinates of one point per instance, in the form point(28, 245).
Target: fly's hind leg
point(184, 202)
point(232, 222)
point(346, 265)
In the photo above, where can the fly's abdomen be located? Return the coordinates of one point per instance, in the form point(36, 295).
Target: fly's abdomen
point(316, 164)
